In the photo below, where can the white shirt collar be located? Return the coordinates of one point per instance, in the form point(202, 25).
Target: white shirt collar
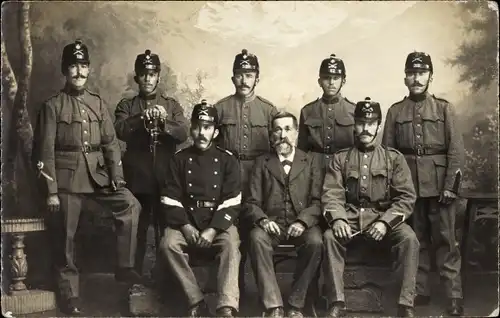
point(290, 157)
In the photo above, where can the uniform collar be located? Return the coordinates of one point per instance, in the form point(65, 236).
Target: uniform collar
point(246, 99)
point(418, 98)
point(331, 100)
point(366, 148)
point(68, 89)
point(147, 97)
point(202, 152)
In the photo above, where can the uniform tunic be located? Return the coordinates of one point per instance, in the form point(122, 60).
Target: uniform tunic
point(142, 178)
point(138, 160)
point(244, 129)
point(76, 143)
point(362, 187)
point(203, 189)
point(325, 127)
point(426, 131)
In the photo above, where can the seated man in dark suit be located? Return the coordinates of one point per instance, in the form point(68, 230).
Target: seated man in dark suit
point(284, 207)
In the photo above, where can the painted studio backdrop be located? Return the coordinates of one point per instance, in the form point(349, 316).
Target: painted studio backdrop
point(197, 42)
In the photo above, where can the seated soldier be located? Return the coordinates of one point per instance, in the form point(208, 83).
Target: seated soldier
point(201, 201)
point(368, 190)
point(284, 206)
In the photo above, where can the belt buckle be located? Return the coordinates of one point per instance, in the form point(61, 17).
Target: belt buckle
point(420, 151)
point(86, 148)
point(198, 204)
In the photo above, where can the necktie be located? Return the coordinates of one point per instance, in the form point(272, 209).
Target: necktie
point(287, 165)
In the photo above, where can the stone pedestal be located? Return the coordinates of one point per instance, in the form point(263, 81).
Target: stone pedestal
point(18, 299)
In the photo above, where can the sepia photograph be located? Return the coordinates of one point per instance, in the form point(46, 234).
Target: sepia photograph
point(250, 159)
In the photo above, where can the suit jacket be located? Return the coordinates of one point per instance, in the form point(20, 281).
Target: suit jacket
point(67, 122)
point(140, 175)
point(268, 187)
point(430, 124)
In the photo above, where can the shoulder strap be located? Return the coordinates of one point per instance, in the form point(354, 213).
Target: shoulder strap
point(388, 180)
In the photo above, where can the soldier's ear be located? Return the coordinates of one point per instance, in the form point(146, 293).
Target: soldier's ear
point(257, 80)
point(216, 133)
point(430, 77)
point(136, 79)
point(233, 80)
point(344, 80)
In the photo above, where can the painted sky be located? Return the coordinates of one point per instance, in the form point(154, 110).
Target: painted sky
point(291, 38)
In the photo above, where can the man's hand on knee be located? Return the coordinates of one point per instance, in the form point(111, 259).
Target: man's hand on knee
point(377, 231)
point(341, 230)
point(190, 233)
point(295, 229)
point(206, 237)
point(270, 227)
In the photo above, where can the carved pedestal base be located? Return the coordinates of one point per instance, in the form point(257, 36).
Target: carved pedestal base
point(28, 301)
point(19, 299)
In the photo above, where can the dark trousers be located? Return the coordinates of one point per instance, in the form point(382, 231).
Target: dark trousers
point(150, 213)
point(434, 225)
point(64, 224)
point(309, 249)
point(225, 249)
point(405, 248)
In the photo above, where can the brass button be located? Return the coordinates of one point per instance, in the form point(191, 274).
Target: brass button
point(364, 177)
point(362, 210)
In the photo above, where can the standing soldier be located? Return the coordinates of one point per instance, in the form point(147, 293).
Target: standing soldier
point(424, 128)
point(326, 124)
point(245, 120)
point(152, 125)
point(79, 159)
point(368, 191)
point(201, 200)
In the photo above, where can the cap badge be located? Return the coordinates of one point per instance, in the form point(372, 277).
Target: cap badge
point(245, 65)
point(417, 59)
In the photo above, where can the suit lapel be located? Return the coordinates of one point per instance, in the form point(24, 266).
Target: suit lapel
point(274, 166)
point(299, 163)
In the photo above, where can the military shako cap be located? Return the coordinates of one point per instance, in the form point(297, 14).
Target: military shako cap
point(418, 61)
point(332, 66)
point(204, 112)
point(367, 111)
point(245, 61)
point(147, 61)
point(73, 53)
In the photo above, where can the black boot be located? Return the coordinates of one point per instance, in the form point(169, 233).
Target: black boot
point(456, 307)
point(405, 311)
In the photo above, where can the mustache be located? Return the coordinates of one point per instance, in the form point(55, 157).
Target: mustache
point(417, 85)
point(244, 86)
point(201, 139)
point(282, 141)
point(77, 76)
point(365, 133)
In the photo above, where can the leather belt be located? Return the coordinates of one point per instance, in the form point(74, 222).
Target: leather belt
point(422, 151)
point(366, 204)
point(203, 204)
point(325, 151)
point(85, 148)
